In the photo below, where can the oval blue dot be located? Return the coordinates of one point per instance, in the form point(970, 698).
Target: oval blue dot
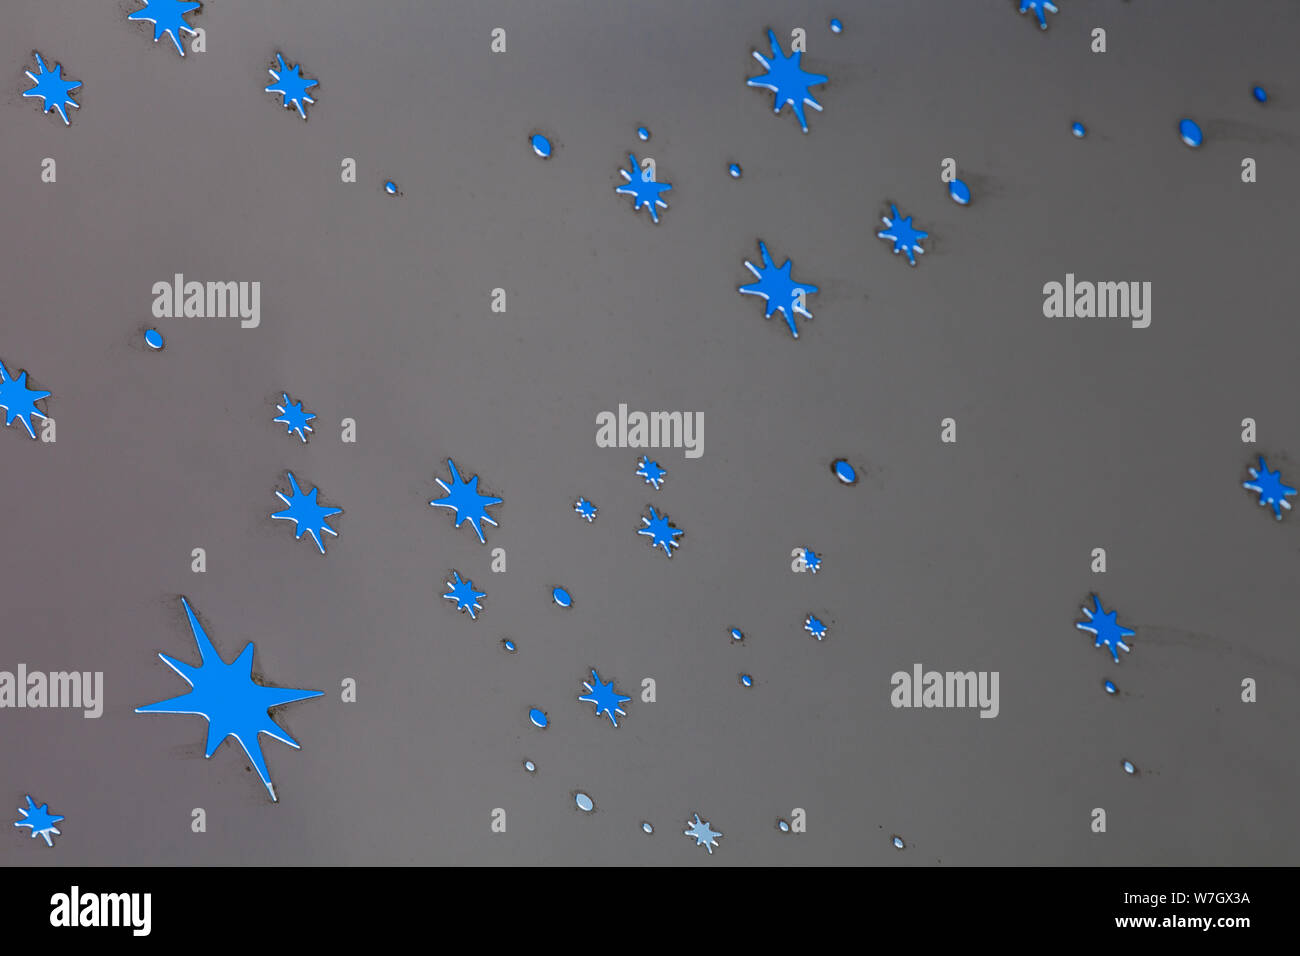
point(1260, 94)
point(746, 680)
point(836, 26)
point(959, 192)
point(844, 471)
point(734, 170)
point(153, 338)
point(562, 597)
point(507, 645)
point(390, 187)
point(737, 634)
point(1079, 130)
point(783, 826)
point(898, 842)
point(643, 132)
point(530, 766)
point(1110, 687)
point(647, 828)
point(584, 802)
point(541, 145)
point(1190, 133)
point(1128, 766)
point(538, 718)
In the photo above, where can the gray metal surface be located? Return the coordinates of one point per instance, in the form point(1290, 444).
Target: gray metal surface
point(1072, 434)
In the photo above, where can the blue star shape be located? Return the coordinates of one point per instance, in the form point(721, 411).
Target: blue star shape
point(815, 627)
point(307, 515)
point(1041, 8)
point(776, 285)
point(812, 561)
point(167, 16)
point(291, 85)
point(463, 498)
point(660, 532)
point(705, 835)
point(651, 472)
point(52, 88)
point(607, 700)
point(787, 80)
point(1101, 623)
point(1268, 485)
point(905, 237)
point(39, 819)
point(644, 192)
point(227, 696)
point(19, 401)
point(293, 417)
point(585, 508)
point(466, 598)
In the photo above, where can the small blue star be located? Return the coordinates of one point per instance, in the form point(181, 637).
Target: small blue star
point(643, 190)
point(787, 80)
point(227, 696)
point(40, 820)
point(19, 401)
point(1039, 6)
point(463, 498)
point(466, 598)
point(608, 701)
point(291, 85)
point(705, 835)
point(167, 16)
point(306, 513)
point(651, 472)
point(293, 417)
point(1102, 623)
point(815, 627)
point(661, 533)
point(1268, 485)
point(52, 88)
point(905, 238)
point(780, 290)
point(585, 508)
point(811, 560)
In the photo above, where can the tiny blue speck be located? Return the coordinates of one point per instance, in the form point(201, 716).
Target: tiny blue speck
point(647, 828)
point(1079, 130)
point(1260, 94)
point(1128, 767)
point(735, 170)
point(836, 26)
point(507, 645)
point(844, 471)
point(642, 132)
point(1190, 133)
point(959, 192)
point(584, 802)
point(538, 718)
point(1110, 687)
point(562, 597)
point(898, 843)
point(153, 338)
point(737, 634)
point(390, 187)
point(783, 826)
point(530, 766)
point(541, 145)
point(746, 680)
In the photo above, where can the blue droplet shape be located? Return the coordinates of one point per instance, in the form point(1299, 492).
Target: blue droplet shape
point(1079, 130)
point(642, 132)
point(390, 187)
point(562, 597)
point(1190, 132)
point(746, 680)
point(898, 842)
point(1110, 687)
point(538, 718)
point(584, 802)
point(844, 471)
point(153, 338)
point(530, 766)
point(959, 192)
point(541, 145)
point(1260, 94)
point(836, 26)
point(507, 645)
point(1128, 767)
point(647, 828)
point(783, 826)
point(735, 170)
point(737, 634)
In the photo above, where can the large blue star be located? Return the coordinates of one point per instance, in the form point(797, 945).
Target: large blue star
point(308, 516)
point(644, 191)
point(52, 88)
point(18, 400)
point(167, 17)
point(661, 533)
point(226, 695)
point(607, 700)
point(463, 498)
point(778, 287)
point(1102, 623)
point(291, 85)
point(787, 80)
